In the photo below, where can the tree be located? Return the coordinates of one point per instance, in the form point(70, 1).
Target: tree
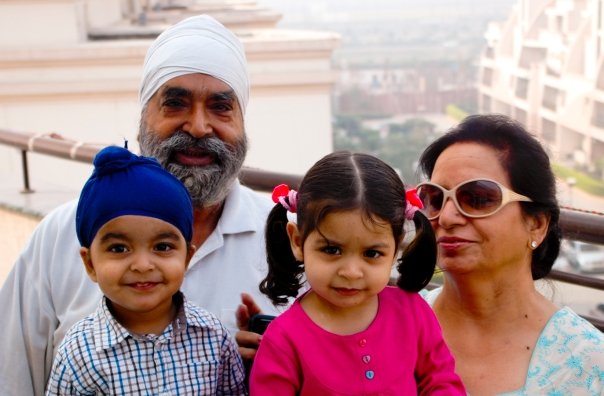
point(400, 148)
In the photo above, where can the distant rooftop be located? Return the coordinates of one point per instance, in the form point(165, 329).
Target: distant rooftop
point(236, 15)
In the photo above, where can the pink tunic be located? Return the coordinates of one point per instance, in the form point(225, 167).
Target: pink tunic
point(402, 352)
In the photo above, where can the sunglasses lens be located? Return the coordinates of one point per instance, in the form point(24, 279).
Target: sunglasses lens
point(479, 198)
point(432, 198)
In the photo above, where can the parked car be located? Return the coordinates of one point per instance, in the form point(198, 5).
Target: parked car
point(584, 257)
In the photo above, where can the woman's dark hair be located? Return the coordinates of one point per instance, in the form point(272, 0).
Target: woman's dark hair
point(340, 182)
point(525, 162)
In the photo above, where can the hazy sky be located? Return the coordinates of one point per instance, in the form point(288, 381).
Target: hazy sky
point(397, 31)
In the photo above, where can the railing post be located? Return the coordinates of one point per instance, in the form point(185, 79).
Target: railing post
point(26, 189)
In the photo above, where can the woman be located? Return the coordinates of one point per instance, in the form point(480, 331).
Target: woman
point(492, 202)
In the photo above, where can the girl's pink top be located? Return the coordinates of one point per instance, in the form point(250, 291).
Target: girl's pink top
point(402, 352)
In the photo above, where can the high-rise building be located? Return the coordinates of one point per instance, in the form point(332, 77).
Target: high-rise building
point(544, 66)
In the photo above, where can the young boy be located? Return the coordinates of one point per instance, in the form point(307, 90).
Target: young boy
point(134, 223)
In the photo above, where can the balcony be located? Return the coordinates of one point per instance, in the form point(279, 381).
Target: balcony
point(577, 225)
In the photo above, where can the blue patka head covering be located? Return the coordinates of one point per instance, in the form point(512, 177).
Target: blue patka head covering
point(122, 184)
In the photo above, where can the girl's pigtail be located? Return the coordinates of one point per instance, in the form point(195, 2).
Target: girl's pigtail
point(417, 264)
point(285, 273)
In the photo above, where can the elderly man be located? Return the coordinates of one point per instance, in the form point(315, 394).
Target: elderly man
point(193, 96)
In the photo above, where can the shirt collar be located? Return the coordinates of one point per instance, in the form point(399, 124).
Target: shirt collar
point(236, 215)
point(108, 332)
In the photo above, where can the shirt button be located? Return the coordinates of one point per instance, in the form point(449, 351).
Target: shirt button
point(366, 359)
point(362, 342)
point(369, 374)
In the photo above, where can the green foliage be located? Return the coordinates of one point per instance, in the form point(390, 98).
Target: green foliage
point(455, 112)
point(400, 146)
point(583, 181)
point(413, 126)
point(349, 134)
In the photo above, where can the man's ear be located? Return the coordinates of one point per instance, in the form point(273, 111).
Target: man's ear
point(190, 252)
point(87, 260)
point(295, 241)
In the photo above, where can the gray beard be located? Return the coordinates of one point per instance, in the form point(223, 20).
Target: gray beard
point(208, 185)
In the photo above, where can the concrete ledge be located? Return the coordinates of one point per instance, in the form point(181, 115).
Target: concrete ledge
point(16, 229)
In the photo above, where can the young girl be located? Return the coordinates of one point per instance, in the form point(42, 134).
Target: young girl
point(350, 334)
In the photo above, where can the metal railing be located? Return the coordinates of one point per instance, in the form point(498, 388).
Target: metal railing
point(576, 224)
point(58, 146)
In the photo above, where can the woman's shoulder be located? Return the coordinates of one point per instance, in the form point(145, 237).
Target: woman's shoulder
point(568, 328)
point(568, 357)
point(568, 347)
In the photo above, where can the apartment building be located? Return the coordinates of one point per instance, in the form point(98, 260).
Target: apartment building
point(544, 66)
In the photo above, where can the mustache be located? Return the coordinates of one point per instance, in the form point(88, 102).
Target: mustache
point(207, 185)
point(183, 142)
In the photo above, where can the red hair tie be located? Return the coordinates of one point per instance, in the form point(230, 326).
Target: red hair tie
point(281, 192)
point(414, 203)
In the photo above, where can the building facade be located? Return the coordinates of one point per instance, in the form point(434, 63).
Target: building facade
point(544, 67)
point(73, 67)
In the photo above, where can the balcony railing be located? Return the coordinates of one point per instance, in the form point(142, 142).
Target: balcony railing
point(576, 224)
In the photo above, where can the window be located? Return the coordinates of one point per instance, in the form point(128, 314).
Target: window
point(550, 98)
point(521, 88)
point(597, 117)
point(548, 130)
point(487, 76)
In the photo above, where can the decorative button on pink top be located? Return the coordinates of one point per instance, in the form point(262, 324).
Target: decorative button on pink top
point(366, 359)
point(362, 342)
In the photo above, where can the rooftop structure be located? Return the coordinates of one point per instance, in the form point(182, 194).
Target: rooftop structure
point(73, 67)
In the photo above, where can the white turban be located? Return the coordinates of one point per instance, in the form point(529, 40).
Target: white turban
point(198, 44)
